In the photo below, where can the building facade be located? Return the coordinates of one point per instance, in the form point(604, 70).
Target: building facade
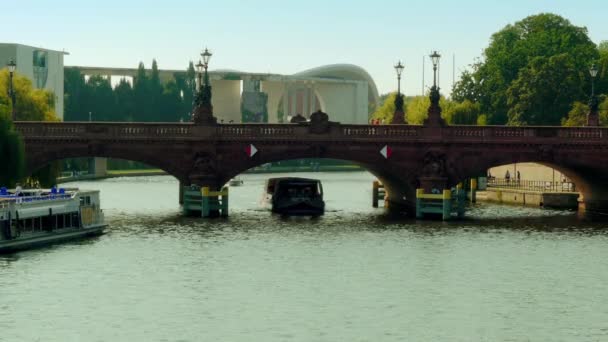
point(43, 67)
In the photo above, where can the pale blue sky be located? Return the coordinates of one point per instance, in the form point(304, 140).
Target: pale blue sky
point(281, 36)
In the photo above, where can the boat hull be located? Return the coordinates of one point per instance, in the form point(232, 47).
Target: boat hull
point(49, 238)
point(302, 208)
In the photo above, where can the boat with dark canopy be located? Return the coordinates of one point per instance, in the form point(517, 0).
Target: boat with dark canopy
point(295, 196)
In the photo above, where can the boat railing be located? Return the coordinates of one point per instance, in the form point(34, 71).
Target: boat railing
point(36, 198)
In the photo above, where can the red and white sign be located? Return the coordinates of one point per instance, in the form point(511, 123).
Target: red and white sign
point(251, 150)
point(386, 151)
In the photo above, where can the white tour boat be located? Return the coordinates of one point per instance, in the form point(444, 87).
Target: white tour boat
point(33, 218)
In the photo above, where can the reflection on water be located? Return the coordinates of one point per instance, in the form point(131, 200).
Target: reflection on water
point(355, 274)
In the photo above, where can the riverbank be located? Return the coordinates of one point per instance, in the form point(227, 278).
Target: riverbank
point(546, 199)
point(158, 172)
point(113, 174)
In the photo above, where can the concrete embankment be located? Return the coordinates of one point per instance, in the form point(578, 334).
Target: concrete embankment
point(558, 200)
point(111, 174)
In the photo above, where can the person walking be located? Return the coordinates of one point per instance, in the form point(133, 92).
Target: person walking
point(507, 176)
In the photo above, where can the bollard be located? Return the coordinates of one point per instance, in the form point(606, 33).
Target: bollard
point(447, 204)
point(473, 190)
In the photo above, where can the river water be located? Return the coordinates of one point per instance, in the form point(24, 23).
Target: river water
point(355, 274)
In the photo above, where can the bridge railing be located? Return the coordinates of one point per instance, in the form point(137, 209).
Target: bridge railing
point(529, 132)
point(256, 130)
point(110, 129)
point(128, 130)
point(363, 131)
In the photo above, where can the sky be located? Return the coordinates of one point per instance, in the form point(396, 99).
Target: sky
point(283, 36)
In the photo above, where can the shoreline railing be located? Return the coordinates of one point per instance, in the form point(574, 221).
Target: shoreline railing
point(531, 185)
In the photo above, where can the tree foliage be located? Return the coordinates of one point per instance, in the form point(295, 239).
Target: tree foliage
point(544, 90)
point(146, 100)
point(524, 47)
point(12, 153)
point(31, 105)
point(577, 116)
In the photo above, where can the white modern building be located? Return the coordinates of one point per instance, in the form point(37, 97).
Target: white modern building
point(43, 67)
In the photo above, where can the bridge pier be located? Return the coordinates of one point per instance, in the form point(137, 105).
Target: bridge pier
point(593, 207)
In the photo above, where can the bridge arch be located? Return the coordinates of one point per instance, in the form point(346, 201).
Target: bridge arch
point(590, 181)
point(399, 179)
point(40, 158)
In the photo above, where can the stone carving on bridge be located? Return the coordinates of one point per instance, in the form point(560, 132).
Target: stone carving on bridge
point(319, 122)
point(434, 165)
point(545, 152)
point(204, 163)
point(297, 119)
point(433, 176)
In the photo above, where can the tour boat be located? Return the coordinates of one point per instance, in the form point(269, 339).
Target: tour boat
point(295, 196)
point(34, 218)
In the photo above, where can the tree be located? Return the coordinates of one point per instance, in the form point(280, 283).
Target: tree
point(140, 94)
point(31, 104)
point(170, 103)
point(578, 114)
point(464, 113)
point(100, 101)
point(12, 164)
point(385, 111)
point(512, 49)
point(74, 89)
point(125, 106)
point(155, 93)
point(544, 91)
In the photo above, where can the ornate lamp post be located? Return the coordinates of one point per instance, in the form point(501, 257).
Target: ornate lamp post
point(398, 116)
point(11, 91)
point(203, 110)
point(434, 112)
point(593, 118)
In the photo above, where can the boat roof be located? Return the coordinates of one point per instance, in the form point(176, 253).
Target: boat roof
point(294, 179)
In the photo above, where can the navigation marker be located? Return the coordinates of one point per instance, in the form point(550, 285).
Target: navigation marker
point(386, 151)
point(251, 150)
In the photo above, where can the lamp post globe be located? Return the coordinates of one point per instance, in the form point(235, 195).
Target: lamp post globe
point(11, 66)
point(399, 69)
point(11, 91)
point(593, 72)
point(435, 56)
point(206, 57)
point(199, 74)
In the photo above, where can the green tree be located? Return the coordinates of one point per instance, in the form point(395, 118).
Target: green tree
point(386, 109)
point(417, 109)
point(170, 103)
point(578, 114)
point(464, 113)
point(125, 105)
point(544, 91)
point(12, 164)
point(31, 104)
point(512, 49)
point(155, 94)
point(74, 89)
point(140, 95)
point(100, 101)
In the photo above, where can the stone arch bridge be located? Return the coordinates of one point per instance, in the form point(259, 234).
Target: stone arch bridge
point(422, 156)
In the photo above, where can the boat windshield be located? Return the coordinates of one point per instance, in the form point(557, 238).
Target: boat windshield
point(299, 189)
